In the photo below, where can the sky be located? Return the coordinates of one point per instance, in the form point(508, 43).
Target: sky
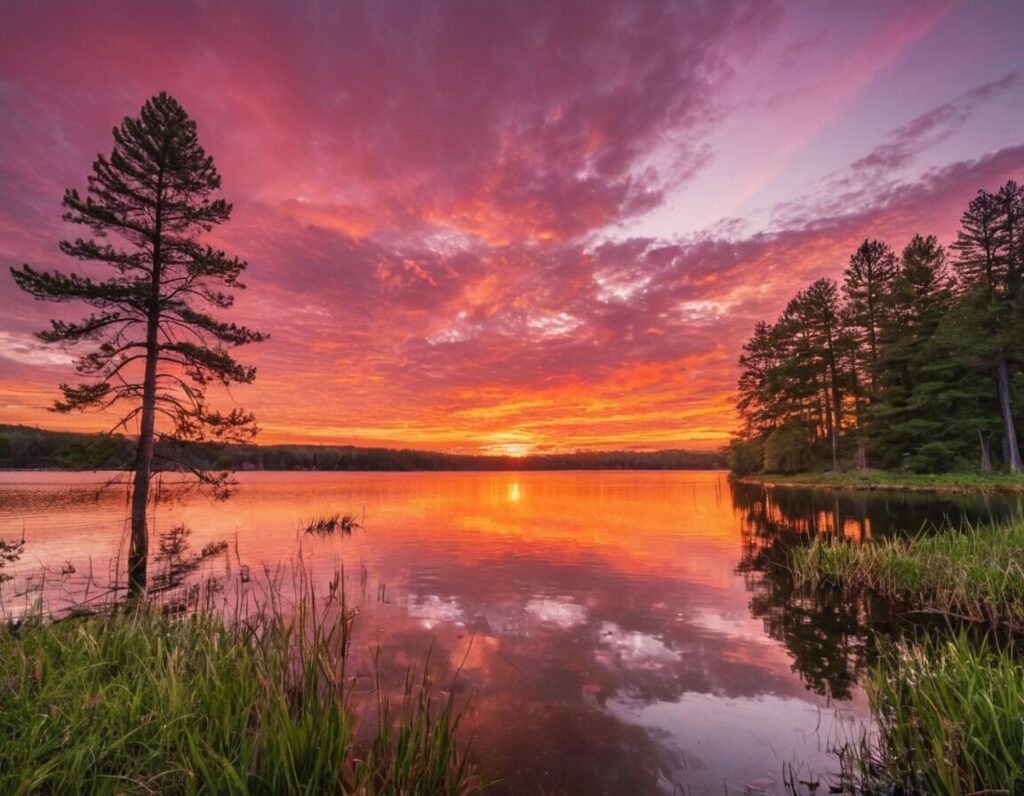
point(510, 227)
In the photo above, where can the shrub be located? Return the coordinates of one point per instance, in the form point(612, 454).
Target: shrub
point(746, 456)
point(788, 449)
point(933, 457)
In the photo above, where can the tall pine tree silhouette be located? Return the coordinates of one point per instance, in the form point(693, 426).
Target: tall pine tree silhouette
point(153, 345)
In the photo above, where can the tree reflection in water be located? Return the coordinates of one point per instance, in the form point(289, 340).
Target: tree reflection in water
point(831, 633)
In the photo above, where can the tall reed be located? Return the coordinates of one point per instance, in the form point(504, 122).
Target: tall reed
point(949, 720)
point(143, 702)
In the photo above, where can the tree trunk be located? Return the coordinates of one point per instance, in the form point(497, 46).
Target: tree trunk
point(837, 401)
point(861, 456)
point(1013, 461)
point(138, 549)
point(986, 457)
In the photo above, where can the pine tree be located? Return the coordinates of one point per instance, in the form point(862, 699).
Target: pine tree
point(868, 279)
point(981, 262)
point(989, 265)
point(154, 346)
point(798, 377)
point(792, 371)
point(758, 362)
point(821, 310)
point(919, 300)
point(952, 404)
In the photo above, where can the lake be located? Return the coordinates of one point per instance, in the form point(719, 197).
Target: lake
point(617, 632)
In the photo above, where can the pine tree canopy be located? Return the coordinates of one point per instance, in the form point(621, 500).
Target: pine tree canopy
point(153, 284)
point(915, 363)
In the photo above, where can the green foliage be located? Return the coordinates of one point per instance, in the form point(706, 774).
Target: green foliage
point(787, 448)
point(911, 364)
point(26, 447)
point(948, 717)
point(93, 453)
point(142, 703)
point(933, 457)
point(151, 345)
point(148, 204)
point(975, 573)
point(916, 364)
point(957, 481)
point(746, 456)
point(869, 280)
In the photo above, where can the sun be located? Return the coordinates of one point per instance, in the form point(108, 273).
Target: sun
point(516, 450)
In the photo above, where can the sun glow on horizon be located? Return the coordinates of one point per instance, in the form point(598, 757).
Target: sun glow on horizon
point(517, 450)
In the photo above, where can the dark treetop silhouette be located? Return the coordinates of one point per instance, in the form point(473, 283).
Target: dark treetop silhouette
point(155, 347)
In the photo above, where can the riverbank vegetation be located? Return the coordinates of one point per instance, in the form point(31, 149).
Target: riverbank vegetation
point(910, 364)
point(948, 708)
point(974, 573)
point(142, 702)
point(895, 481)
point(948, 720)
point(928, 627)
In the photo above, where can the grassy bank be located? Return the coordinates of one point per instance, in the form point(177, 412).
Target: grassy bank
point(143, 703)
point(949, 713)
point(976, 573)
point(949, 719)
point(906, 482)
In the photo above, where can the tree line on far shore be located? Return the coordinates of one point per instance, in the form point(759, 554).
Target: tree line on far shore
point(24, 447)
point(913, 362)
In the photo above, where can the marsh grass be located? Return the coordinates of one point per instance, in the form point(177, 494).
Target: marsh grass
point(330, 524)
point(144, 701)
point(949, 707)
point(949, 719)
point(976, 573)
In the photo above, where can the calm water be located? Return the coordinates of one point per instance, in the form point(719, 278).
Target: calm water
point(619, 632)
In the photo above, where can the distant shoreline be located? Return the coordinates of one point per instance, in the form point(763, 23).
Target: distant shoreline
point(885, 481)
point(722, 469)
point(28, 448)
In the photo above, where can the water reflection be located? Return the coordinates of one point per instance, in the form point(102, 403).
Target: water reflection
point(860, 515)
point(616, 632)
point(830, 634)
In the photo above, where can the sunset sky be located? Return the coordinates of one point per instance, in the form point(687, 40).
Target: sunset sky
point(516, 226)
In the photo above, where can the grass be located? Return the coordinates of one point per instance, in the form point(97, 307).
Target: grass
point(976, 573)
point(140, 702)
point(330, 524)
point(949, 711)
point(949, 719)
point(886, 480)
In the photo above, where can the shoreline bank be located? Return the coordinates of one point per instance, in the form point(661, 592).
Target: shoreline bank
point(880, 480)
